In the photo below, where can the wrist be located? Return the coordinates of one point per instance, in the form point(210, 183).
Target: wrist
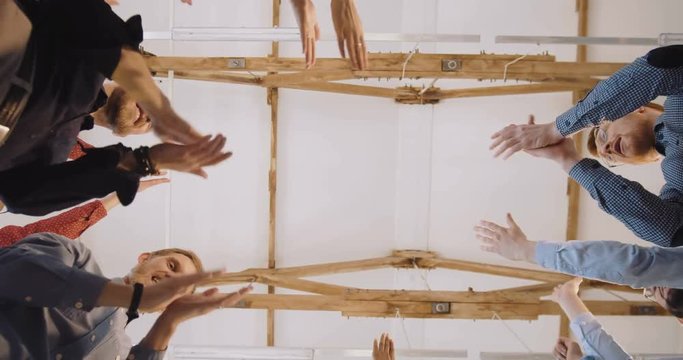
point(568, 162)
point(127, 162)
point(115, 295)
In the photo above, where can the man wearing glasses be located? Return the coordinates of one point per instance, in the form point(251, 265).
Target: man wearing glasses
point(625, 130)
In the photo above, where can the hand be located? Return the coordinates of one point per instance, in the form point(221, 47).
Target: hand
point(158, 296)
point(568, 289)
point(304, 10)
point(567, 349)
point(170, 127)
point(564, 153)
point(514, 138)
point(384, 350)
point(349, 31)
point(190, 158)
point(511, 243)
point(146, 184)
point(193, 305)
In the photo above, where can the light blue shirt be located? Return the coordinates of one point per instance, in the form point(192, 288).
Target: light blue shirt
point(616, 262)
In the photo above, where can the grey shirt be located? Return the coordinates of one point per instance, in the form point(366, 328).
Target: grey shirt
point(48, 289)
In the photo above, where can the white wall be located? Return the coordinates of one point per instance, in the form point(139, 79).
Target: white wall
point(360, 176)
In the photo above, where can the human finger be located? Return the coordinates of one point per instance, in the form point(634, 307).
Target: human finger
point(492, 226)
point(485, 232)
point(511, 222)
point(488, 241)
point(342, 49)
point(146, 184)
point(220, 157)
point(351, 49)
point(505, 145)
point(375, 346)
point(363, 54)
point(386, 343)
point(488, 248)
point(391, 347)
point(532, 120)
point(512, 150)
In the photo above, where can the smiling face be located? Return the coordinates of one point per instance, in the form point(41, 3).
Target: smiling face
point(627, 140)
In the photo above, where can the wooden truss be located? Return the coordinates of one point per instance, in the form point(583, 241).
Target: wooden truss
point(512, 303)
point(543, 73)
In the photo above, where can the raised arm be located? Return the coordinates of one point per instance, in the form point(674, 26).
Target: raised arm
point(610, 261)
point(594, 340)
point(626, 90)
point(134, 76)
point(652, 218)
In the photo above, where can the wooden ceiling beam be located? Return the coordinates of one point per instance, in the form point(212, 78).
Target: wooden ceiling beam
point(457, 310)
point(537, 68)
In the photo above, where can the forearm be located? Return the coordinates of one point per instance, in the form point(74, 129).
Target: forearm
point(71, 223)
point(160, 334)
point(110, 201)
point(594, 340)
point(115, 295)
point(626, 90)
point(132, 74)
point(647, 215)
point(572, 306)
point(38, 190)
point(614, 261)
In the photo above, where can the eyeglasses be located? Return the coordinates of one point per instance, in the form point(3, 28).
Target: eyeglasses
point(599, 134)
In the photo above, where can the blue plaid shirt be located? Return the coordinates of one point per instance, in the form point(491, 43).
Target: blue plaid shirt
point(653, 218)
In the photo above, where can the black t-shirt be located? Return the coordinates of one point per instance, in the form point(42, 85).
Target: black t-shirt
point(78, 45)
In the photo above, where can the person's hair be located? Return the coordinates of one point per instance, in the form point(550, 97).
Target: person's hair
point(115, 104)
point(674, 302)
point(593, 147)
point(190, 254)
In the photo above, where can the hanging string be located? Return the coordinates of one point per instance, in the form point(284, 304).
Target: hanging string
point(403, 326)
point(422, 275)
point(616, 295)
point(505, 70)
point(519, 339)
point(415, 50)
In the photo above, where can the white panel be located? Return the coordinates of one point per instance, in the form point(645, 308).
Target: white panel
point(225, 217)
point(335, 177)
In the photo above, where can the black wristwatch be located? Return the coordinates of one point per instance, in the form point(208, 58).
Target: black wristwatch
point(132, 312)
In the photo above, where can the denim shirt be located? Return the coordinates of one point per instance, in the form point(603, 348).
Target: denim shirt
point(49, 286)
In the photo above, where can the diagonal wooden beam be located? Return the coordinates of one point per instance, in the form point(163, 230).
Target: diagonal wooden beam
point(489, 269)
point(302, 285)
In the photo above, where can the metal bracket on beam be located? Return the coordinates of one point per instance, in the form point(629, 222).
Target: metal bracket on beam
point(441, 308)
point(450, 65)
point(237, 63)
point(649, 310)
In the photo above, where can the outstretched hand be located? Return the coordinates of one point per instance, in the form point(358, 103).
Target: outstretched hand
point(567, 349)
point(349, 29)
point(510, 242)
point(159, 295)
point(306, 17)
point(384, 349)
point(514, 138)
point(193, 305)
point(190, 158)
